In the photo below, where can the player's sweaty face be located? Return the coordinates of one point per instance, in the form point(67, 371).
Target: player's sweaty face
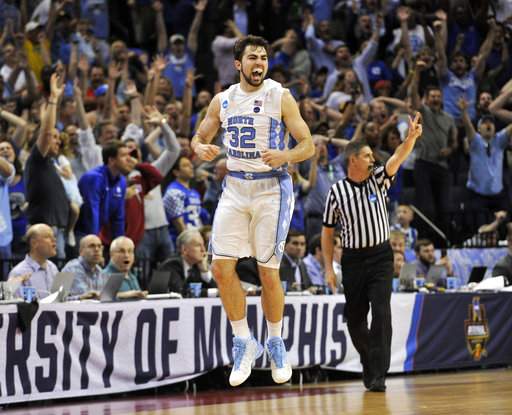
point(254, 65)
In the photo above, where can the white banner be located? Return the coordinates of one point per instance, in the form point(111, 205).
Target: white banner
point(93, 348)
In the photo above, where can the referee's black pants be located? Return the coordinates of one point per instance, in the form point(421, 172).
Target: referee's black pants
point(367, 279)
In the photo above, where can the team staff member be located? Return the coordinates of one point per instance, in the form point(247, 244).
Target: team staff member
point(358, 203)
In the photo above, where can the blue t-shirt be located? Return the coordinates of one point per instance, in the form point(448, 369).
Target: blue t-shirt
point(182, 202)
point(455, 88)
point(486, 164)
point(176, 72)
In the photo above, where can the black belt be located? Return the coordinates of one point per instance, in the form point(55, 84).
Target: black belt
point(371, 250)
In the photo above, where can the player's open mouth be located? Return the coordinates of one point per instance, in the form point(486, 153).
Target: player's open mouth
point(257, 74)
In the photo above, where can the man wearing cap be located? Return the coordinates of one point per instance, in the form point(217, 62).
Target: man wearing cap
point(182, 51)
point(179, 62)
point(485, 178)
point(37, 48)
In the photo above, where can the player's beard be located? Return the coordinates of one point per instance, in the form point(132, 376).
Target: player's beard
point(249, 80)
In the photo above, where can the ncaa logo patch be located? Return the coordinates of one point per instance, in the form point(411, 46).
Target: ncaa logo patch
point(372, 198)
point(257, 104)
point(225, 104)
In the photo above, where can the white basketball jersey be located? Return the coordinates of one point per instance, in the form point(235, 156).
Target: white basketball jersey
point(251, 123)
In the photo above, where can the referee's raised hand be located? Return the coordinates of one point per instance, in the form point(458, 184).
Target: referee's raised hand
point(415, 127)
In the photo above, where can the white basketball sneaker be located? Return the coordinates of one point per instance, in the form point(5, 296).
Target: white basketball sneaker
point(245, 353)
point(281, 369)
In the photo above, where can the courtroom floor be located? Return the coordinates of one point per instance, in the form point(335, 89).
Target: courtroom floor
point(466, 392)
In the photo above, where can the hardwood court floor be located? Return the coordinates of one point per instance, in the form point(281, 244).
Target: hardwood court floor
point(483, 392)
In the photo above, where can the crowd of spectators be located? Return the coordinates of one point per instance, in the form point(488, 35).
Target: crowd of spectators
point(99, 101)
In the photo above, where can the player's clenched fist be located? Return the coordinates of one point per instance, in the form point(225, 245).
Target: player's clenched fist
point(206, 152)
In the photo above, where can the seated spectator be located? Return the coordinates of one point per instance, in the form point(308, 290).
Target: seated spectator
point(7, 173)
point(191, 265)
point(425, 258)
point(314, 262)
point(293, 269)
point(398, 262)
point(89, 280)
point(46, 196)
point(122, 257)
point(404, 217)
point(397, 241)
point(36, 270)
point(504, 265)
point(103, 190)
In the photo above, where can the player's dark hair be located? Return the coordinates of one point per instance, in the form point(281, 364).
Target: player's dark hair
point(250, 40)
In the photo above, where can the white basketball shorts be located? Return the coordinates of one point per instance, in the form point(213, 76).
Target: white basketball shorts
point(252, 219)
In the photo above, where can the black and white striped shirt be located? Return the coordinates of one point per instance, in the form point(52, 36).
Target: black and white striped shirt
point(361, 210)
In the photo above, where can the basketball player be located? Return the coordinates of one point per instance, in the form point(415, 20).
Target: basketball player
point(254, 212)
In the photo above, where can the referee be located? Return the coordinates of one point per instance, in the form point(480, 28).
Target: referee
point(358, 204)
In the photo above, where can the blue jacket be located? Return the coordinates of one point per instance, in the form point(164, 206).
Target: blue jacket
point(103, 205)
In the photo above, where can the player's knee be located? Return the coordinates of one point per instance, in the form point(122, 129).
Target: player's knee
point(270, 279)
point(222, 273)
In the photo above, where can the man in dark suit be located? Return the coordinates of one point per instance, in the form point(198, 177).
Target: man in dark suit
point(191, 265)
point(292, 269)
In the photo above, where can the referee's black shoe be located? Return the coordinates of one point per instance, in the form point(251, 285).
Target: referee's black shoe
point(367, 377)
point(378, 385)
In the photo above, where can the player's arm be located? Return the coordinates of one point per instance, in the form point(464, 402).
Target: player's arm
point(207, 131)
point(300, 132)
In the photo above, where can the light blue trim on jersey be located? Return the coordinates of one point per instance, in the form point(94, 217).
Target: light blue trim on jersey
point(276, 141)
point(285, 214)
